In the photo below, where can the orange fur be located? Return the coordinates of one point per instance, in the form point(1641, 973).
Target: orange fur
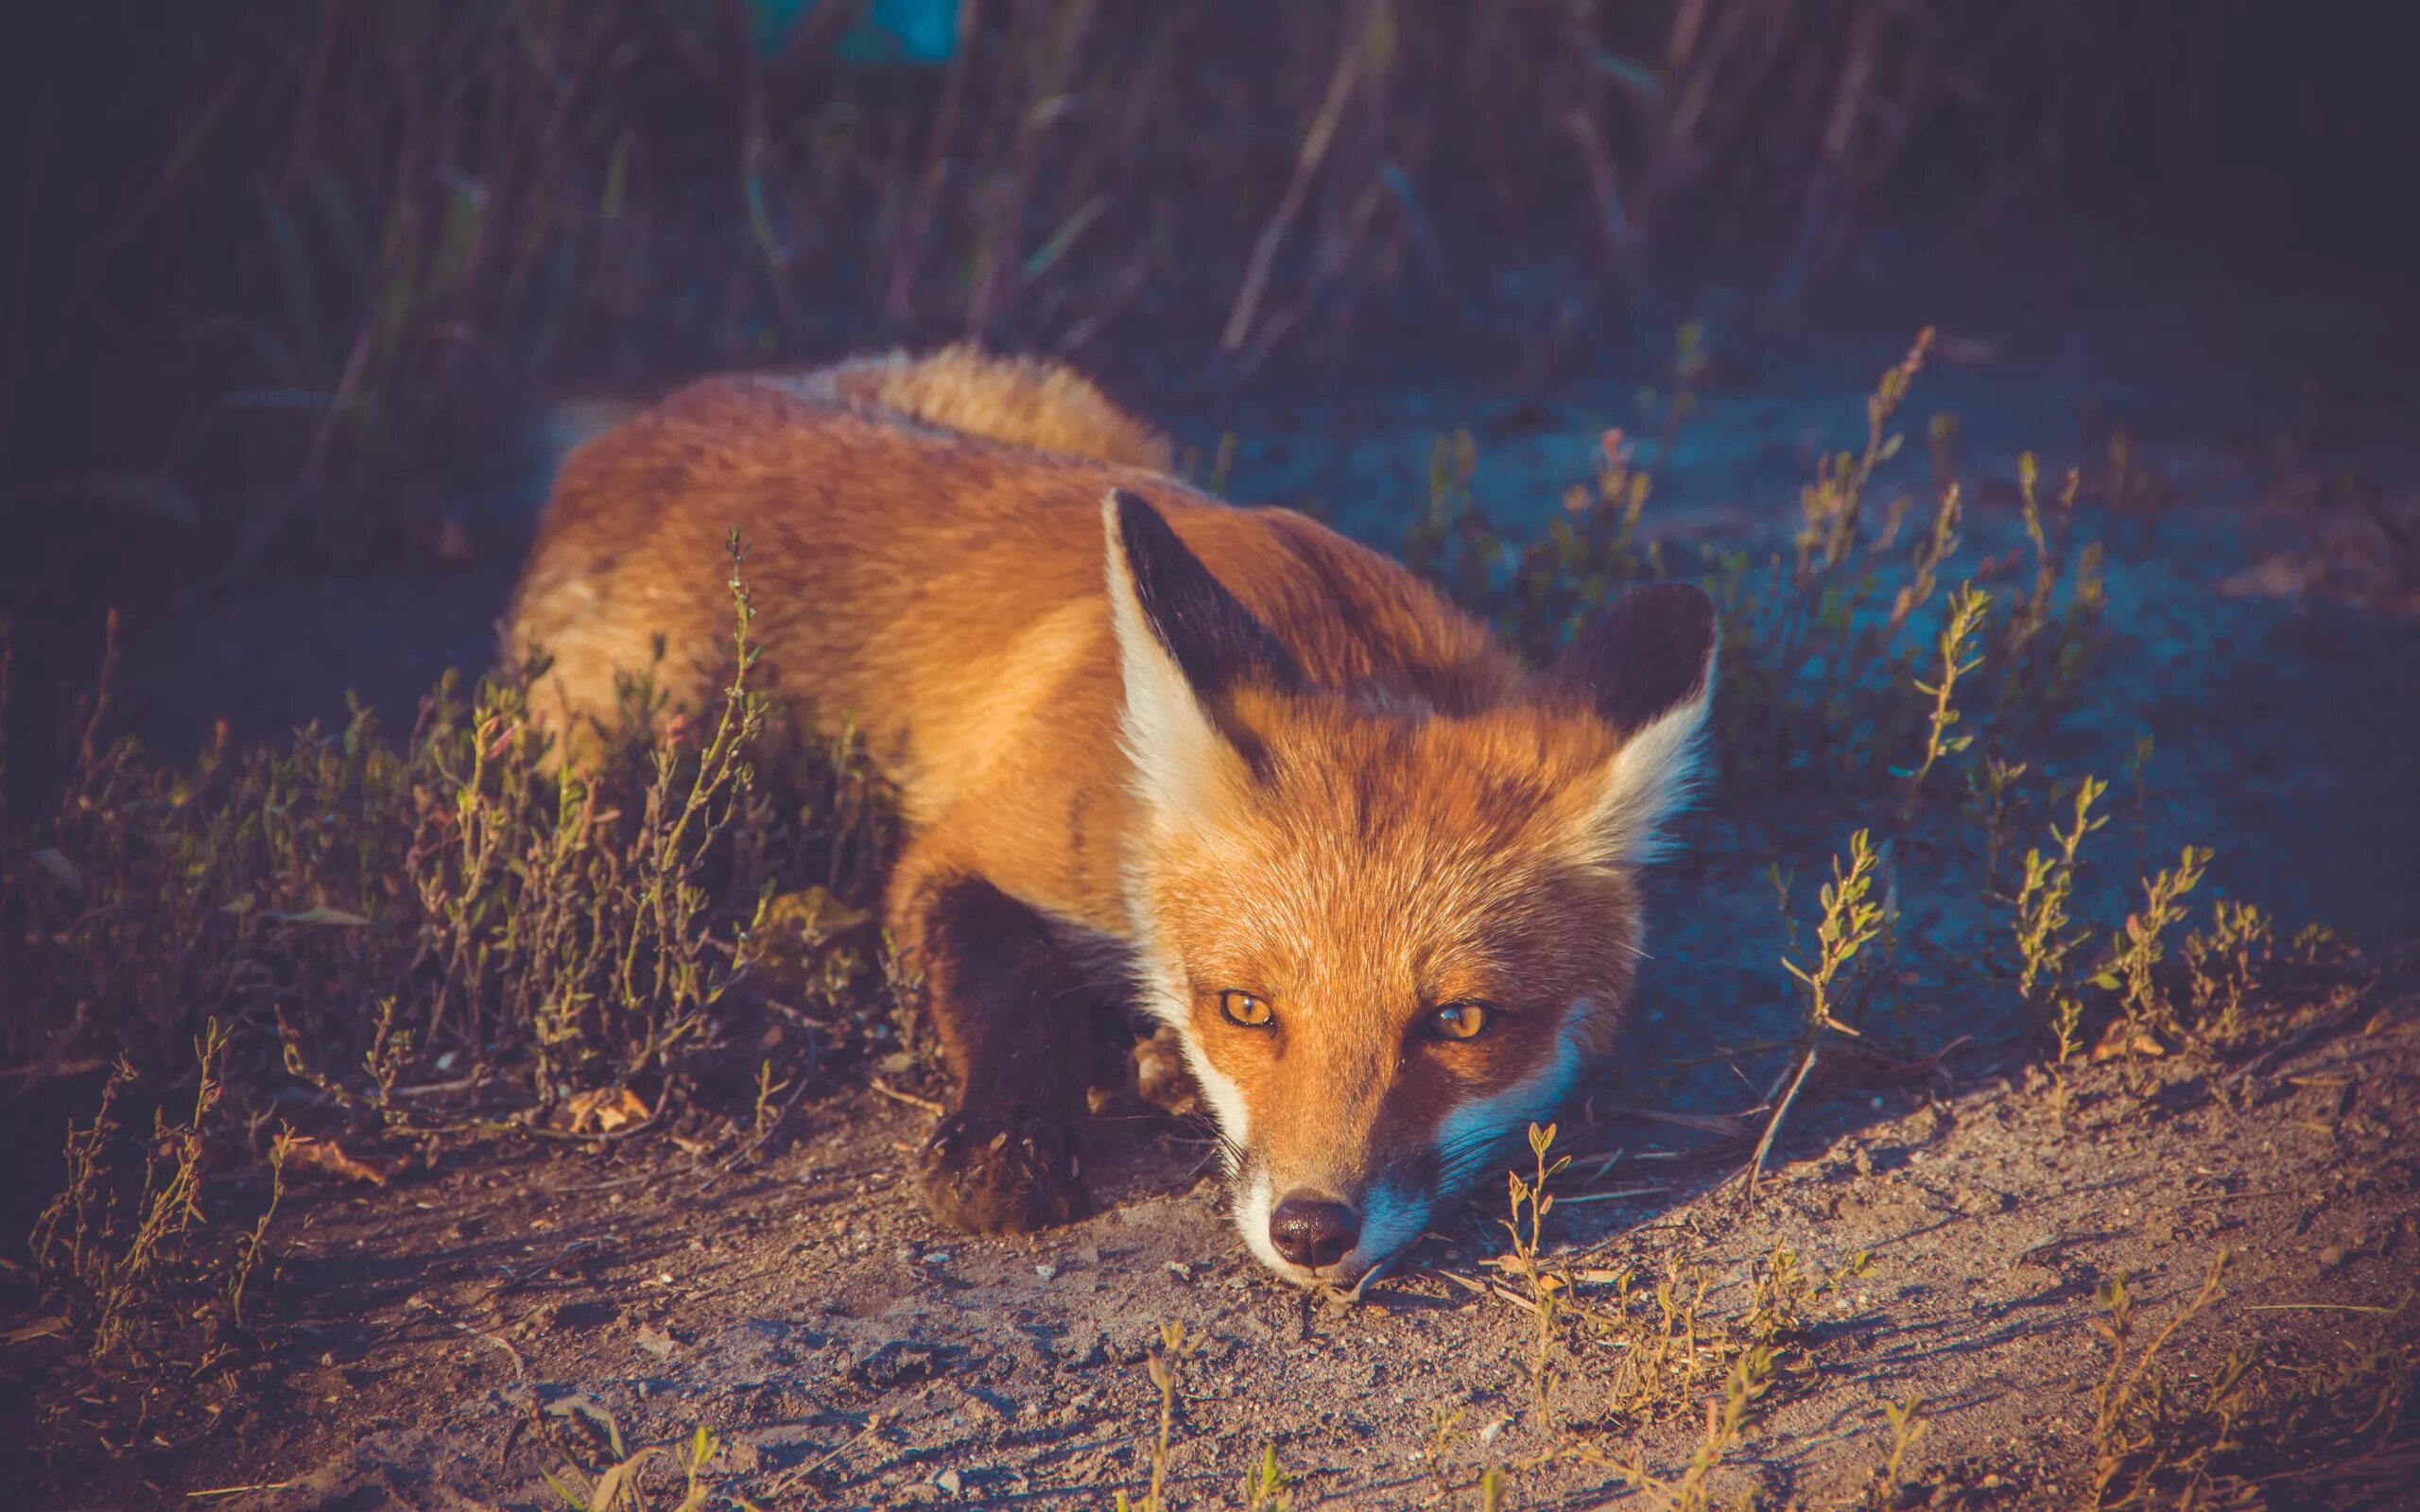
point(944, 593)
point(1410, 826)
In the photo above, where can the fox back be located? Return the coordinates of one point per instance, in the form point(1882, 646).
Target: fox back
point(1376, 878)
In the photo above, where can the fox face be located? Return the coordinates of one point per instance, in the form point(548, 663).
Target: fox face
point(1390, 937)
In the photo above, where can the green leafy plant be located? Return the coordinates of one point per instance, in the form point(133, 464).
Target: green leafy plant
point(2140, 946)
point(1530, 1202)
point(1991, 784)
point(1265, 1486)
point(2045, 935)
point(1968, 607)
point(1165, 1365)
point(1881, 1492)
point(2118, 1401)
point(1852, 920)
point(2225, 965)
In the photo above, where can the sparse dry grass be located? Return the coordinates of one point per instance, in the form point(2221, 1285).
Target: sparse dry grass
point(604, 1475)
point(2257, 1429)
point(128, 1247)
point(441, 933)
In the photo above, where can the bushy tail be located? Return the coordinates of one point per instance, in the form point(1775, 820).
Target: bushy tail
point(1020, 401)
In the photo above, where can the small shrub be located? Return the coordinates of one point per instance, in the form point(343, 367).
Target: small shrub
point(1530, 1202)
point(1852, 920)
point(452, 905)
point(129, 1247)
point(1165, 1365)
point(2136, 952)
point(2045, 935)
point(1968, 608)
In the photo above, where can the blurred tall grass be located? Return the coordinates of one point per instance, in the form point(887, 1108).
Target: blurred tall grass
point(283, 268)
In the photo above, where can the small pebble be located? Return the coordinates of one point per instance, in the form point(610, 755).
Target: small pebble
point(938, 1256)
point(1046, 1271)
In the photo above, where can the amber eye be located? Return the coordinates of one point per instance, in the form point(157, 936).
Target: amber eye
point(1245, 1009)
point(1460, 1021)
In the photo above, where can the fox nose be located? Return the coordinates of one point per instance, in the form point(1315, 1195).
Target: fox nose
point(1313, 1231)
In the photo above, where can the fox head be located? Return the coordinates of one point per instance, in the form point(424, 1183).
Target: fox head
point(1387, 938)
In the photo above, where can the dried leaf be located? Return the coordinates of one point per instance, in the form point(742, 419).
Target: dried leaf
point(40, 1328)
point(332, 1158)
point(614, 1483)
point(569, 1408)
point(602, 1111)
point(2116, 1042)
point(1722, 1125)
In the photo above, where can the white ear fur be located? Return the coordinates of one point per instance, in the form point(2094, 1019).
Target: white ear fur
point(1651, 778)
point(1182, 765)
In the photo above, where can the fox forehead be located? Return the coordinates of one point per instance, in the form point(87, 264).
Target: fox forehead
point(1398, 864)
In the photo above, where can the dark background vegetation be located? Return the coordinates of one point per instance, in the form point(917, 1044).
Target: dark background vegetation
point(281, 274)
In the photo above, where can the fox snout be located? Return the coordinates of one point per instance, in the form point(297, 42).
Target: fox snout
point(1313, 1231)
point(1323, 1229)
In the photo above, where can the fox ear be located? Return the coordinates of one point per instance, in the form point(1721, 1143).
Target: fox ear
point(1647, 668)
point(1184, 644)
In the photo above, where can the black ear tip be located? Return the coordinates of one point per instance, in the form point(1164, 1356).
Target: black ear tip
point(1683, 601)
point(1650, 652)
point(1214, 638)
point(1676, 619)
point(1138, 522)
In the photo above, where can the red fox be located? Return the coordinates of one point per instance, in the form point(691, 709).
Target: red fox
point(1221, 762)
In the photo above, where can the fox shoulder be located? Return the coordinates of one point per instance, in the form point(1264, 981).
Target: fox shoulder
point(1017, 401)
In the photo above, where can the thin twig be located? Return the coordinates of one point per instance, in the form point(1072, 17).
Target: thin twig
point(1316, 142)
point(1772, 1125)
point(909, 1098)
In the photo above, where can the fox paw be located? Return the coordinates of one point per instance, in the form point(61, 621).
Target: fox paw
point(1001, 1169)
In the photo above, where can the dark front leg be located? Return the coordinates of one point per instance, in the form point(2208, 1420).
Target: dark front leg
point(1014, 1020)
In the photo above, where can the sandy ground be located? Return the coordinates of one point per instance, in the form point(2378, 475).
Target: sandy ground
point(856, 1355)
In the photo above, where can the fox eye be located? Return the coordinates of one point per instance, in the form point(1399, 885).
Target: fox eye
point(1245, 1009)
point(1460, 1021)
